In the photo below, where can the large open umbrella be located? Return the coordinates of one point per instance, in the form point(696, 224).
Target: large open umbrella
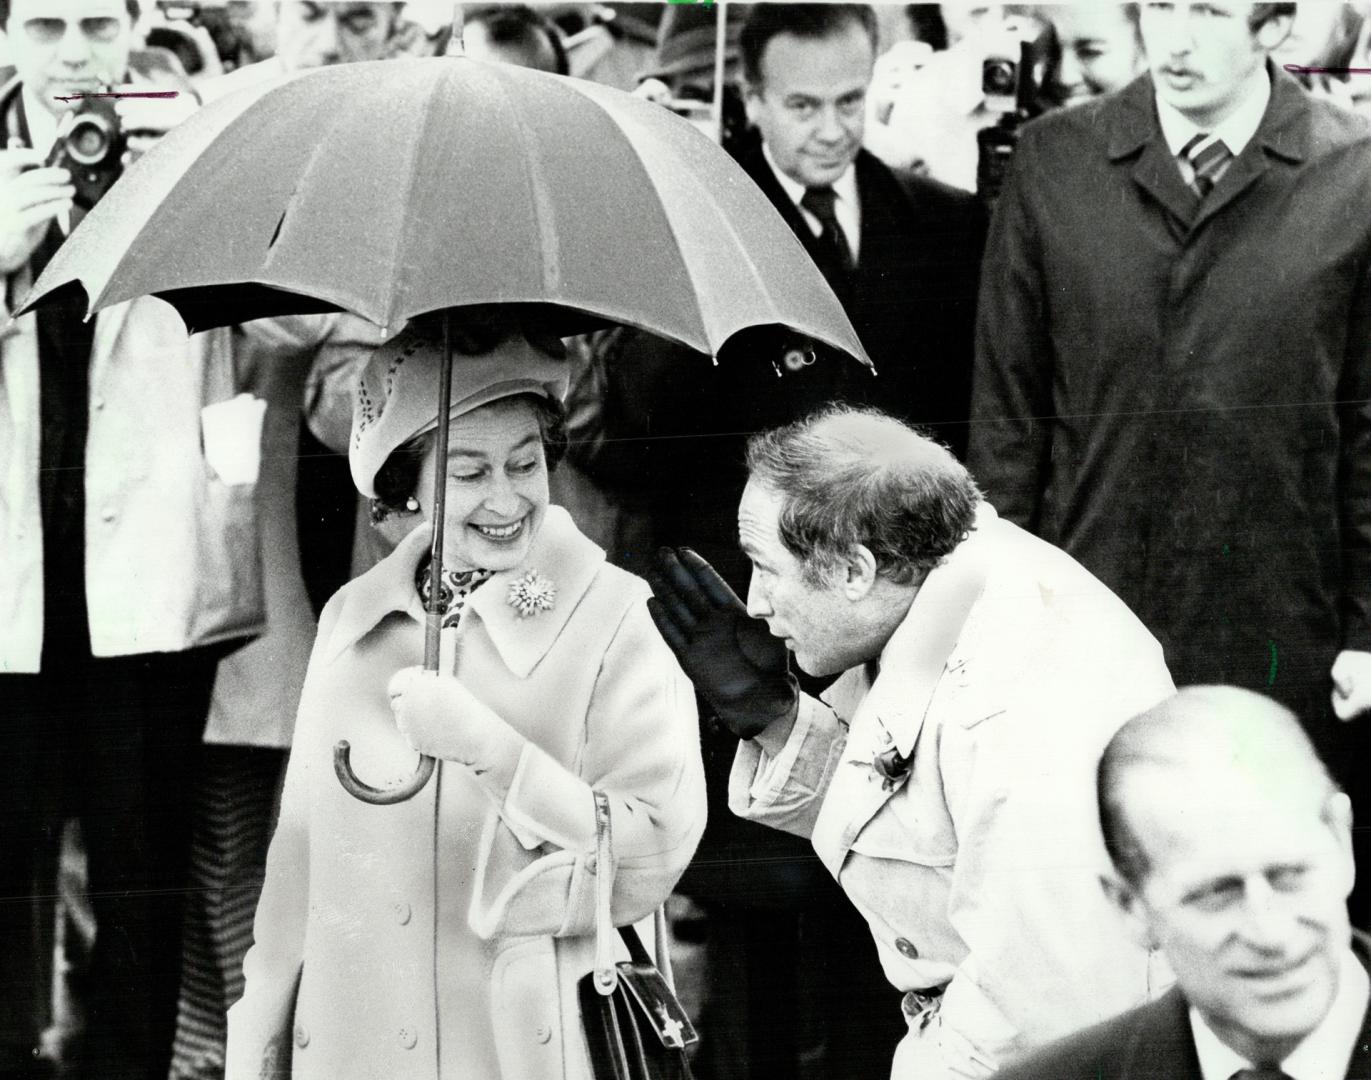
point(403, 187)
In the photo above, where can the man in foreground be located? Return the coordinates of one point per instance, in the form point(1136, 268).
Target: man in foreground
point(1232, 855)
point(946, 779)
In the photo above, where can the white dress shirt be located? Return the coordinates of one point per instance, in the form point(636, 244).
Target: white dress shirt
point(1236, 129)
point(1325, 1052)
point(847, 208)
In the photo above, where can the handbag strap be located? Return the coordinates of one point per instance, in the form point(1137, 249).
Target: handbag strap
point(606, 974)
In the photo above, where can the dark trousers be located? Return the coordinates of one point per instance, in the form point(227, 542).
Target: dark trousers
point(115, 742)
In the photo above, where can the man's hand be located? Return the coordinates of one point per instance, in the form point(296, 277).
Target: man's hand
point(31, 195)
point(147, 119)
point(728, 655)
point(1351, 684)
point(442, 718)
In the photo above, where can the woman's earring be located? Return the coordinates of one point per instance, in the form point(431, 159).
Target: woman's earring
point(412, 505)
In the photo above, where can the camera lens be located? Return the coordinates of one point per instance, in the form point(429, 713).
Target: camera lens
point(999, 77)
point(89, 140)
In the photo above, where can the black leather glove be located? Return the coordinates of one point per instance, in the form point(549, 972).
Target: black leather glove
point(730, 657)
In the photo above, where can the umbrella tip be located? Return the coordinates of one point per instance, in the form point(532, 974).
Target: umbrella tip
point(454, 43)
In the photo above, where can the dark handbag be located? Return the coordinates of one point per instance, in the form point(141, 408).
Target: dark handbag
point(634, 1026)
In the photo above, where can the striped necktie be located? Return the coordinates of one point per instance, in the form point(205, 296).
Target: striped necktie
point(820, 202)
point(1209, 157)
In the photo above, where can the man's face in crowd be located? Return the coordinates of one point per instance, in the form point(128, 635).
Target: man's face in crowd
point(1246, 895)
point(811, 619)
point(64, 47)
point(1100, 49)
point(311, 35)
point(811, 104)
point(1202, 55)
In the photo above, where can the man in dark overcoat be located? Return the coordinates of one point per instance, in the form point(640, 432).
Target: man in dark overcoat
point(1173, 372)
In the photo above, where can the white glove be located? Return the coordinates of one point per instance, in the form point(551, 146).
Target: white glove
point(442, 718)
point(1351, 684)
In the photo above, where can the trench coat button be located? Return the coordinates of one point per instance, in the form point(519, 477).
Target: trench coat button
point(402, 911)
point(543, 1033)
point(301, 1036)
point(906, 948)
point(107, 514)
point(409, 1038)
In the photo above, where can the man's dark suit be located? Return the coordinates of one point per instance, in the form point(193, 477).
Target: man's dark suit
point(912, 296)
point(1151, 1042)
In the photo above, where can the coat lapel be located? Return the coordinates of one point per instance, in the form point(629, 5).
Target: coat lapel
point(1284, 132)
point(890, 717)
point(1134, 133)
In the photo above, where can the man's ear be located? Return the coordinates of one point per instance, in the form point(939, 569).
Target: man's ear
point(1126, 901)
point(752, 101)
point(1337, 813)
point(859, 572)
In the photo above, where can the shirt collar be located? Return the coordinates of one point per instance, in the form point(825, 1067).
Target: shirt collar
point(1325, 1051)
point(1236, 130)
point(845, 187)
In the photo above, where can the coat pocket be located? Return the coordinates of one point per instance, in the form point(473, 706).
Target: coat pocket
point(526, 1011)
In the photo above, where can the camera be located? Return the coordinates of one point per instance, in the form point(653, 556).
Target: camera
point(90, 145)
point(1010, 74)
point(1000, 82)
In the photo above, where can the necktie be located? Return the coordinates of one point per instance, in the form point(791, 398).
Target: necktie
point(1209, 159)
point(819, 202)
point(1266, 1072)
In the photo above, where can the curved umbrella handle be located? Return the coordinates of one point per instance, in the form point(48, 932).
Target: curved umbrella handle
point(342, 764)
point(360, 789)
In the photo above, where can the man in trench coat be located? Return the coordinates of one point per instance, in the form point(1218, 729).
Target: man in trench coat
point(1175, 387)
point(946, 779)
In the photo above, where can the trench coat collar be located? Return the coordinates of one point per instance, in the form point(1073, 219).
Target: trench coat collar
point(894, 709)
point(1134, 129)
point(559, 553)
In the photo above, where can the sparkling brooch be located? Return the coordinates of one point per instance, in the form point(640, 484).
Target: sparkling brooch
point(531, 594)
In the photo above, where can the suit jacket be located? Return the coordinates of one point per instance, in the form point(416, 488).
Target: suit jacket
point(1153, 1042)
point(1178, 392)
point(978, 869)
point(912, 297)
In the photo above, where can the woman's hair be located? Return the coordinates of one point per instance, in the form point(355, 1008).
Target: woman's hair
point(398, 477)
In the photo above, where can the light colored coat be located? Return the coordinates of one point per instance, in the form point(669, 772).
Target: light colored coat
point(443, 937)
point(979, 870)
point(171, 550)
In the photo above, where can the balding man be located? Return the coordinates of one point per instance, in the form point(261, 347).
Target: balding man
point(1232, 855)
point(946, 779)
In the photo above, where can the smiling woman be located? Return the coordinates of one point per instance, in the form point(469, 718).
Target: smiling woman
point(457, 924)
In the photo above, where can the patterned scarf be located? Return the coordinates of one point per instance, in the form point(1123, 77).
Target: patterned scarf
point(453, 591)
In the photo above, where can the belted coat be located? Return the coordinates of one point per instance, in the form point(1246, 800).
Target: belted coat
point(443, 937)
point(978, 867)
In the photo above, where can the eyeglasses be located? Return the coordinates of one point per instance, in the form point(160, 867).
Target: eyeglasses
point(44, 31)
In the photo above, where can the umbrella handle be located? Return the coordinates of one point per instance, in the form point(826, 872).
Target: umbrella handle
point(355, 787)
point(360, 789)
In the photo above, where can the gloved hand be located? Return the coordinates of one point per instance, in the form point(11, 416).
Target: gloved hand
point(729, 656)
point(442, 718)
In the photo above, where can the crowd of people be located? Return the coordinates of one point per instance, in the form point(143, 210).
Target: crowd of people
point(897, 705)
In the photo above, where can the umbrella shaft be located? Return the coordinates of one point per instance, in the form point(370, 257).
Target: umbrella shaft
point(434, 623)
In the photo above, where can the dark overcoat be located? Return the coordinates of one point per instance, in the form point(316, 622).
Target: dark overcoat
point(1178, 392)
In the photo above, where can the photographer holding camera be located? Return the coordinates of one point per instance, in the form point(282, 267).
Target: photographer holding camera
point(128, 562)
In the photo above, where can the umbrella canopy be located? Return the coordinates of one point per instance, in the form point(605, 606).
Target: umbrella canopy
point(399, 187)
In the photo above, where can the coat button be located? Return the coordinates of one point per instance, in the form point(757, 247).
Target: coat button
point(409, 1037)
point(543, 1033)
point(301, 1036)
point(906, 948)
point(107, 515)
point(402, 911)
point(98, 404)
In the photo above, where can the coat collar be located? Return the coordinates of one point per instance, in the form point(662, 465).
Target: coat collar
point(1131, 118)
point(559, 552)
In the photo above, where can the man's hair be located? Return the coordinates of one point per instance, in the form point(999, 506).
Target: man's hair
point(849, 476)
point(1259, 16)
point(1224, 726)
point(132, 6)
point(519, 24)
point(812, 21)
